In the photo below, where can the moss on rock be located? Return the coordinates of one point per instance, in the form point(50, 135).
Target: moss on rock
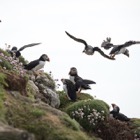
point(89, 113)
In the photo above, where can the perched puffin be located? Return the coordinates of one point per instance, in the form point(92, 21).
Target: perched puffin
point(89, 50)
point(78, 81)
point(15, 52)
point(69, 89)
point(37, 64)
point(118, 49)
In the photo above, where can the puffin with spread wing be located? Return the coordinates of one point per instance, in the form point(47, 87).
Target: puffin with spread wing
point(118, 49)
point(15, 52)
point(80, 83)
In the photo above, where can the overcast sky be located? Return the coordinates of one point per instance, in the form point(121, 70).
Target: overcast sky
point(45, 21)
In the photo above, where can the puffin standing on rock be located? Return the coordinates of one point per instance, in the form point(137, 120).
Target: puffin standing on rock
point(80, 84)
point(69, 89)
point(89, 50)
point(37, 64)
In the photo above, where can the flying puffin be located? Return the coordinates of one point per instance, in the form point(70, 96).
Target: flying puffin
point(78, 81)
point(89, 50)
point(106, 44)
point(37, 64)
point(15, 52)
point(118, 49)
point(69, 89)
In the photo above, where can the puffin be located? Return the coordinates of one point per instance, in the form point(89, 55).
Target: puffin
point(80, 83)
point(15, 52)
point(69, 89)
point(89, 50)
point(121, 49)
point(37, 64)
point(106, 44)
point(118, 49)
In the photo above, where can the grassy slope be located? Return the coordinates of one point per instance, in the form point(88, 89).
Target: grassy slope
point(45, 122)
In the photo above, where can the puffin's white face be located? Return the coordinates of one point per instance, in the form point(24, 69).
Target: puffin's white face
point(44, 57)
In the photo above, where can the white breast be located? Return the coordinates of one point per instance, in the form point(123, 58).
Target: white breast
point(65, 89)
point(123, 50)
point(39, 66)
point(72, 79)
point(89, 50)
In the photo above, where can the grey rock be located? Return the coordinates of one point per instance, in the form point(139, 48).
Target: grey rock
point(33, 87)
point(46, 87)
point(10, 133)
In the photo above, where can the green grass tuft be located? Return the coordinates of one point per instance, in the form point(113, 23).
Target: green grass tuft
point(2, 79)
point(37, 112)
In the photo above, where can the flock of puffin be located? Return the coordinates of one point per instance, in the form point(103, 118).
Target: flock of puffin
point(75, 83)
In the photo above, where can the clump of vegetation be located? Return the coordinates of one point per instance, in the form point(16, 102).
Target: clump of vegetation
point(37, 112)
point(89, 113)
point(2, 79)
point(65, 102)
point(135, 126)
point(9, 63)
point(2, 98)
point(11, 80)
point(114, 129)
point(4, 52)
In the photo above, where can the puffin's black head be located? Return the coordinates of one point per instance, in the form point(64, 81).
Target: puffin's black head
point(44, 57)
point(84, 51)
point(63, 81)
point(73, 71)
point(14, 49)
point(126, 53)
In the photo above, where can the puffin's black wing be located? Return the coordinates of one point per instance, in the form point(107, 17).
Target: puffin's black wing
point(88, 81)
point(117, 48)
point(122, 117)
point(128, 43)
point(77, 39)
point(102, 53)
point(82, 84)
point(71, 91)
point(29, 45)
point(31, 65)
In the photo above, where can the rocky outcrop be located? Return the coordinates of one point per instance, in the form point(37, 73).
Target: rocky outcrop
point(9, 133)
point(46, 87)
